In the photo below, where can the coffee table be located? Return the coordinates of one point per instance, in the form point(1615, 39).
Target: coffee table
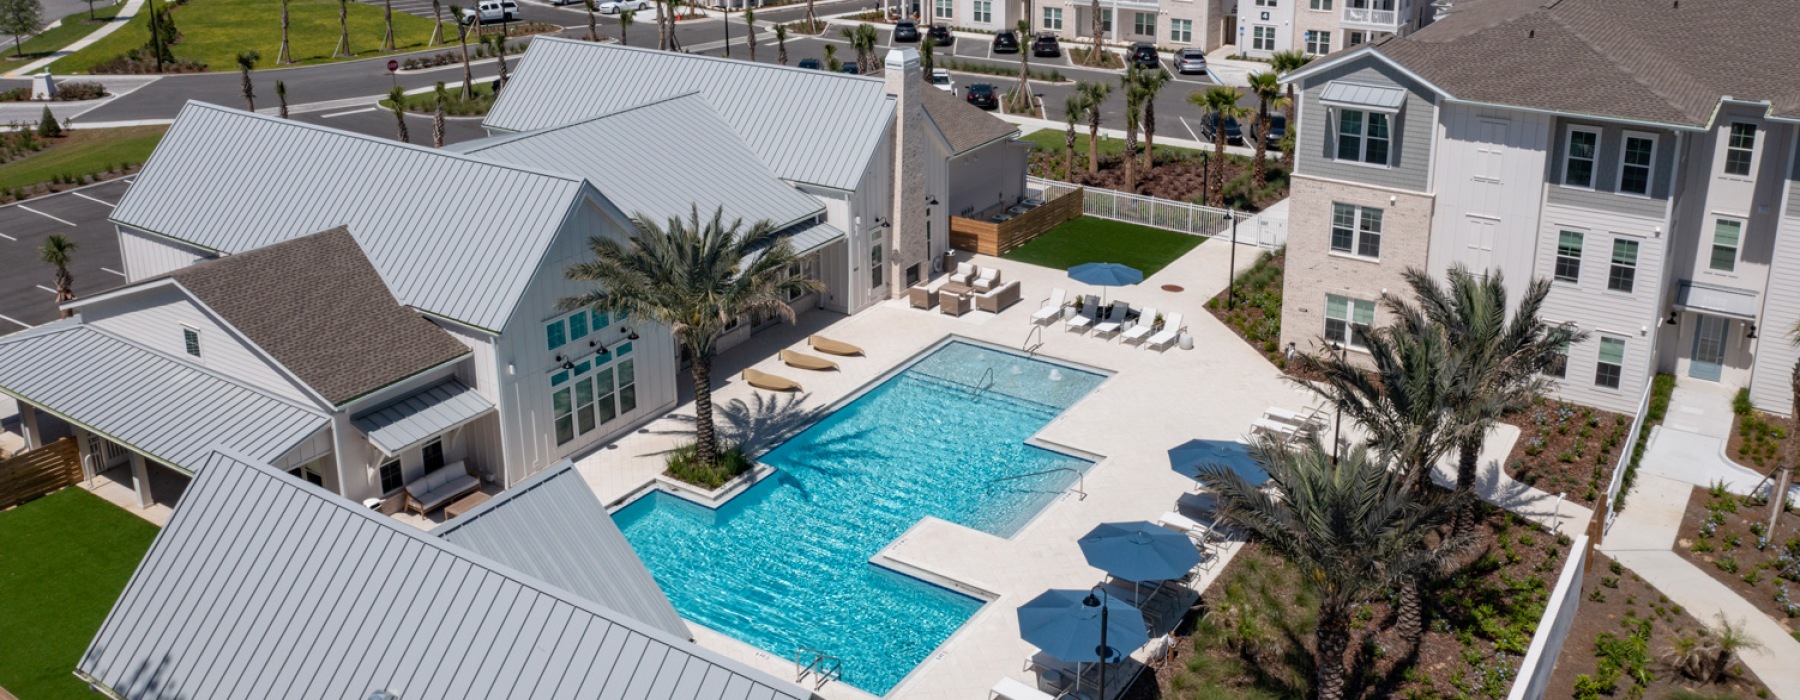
point(954, 288)
point(465, 504)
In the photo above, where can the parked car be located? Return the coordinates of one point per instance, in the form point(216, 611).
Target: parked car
point(1045, 46)
point(613, 7)
point(1007, 41)
point(1277, 130)
point(1190, 61)
point(492, 11)
point(850, 68)
point(811, 64)
point(1233, 133)
point(906, 30)
point(941, 80)
point(1144, 55)
point(984, 96)
point(941, 35)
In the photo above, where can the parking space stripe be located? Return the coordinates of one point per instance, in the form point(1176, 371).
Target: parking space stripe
point(47, 216)
point(10, 238)
point(116, 272)
point(94, 199)
point(47, 289)
point(340, 114)
point(4, 317)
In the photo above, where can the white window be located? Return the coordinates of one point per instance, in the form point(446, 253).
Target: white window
point(1358, 39)
point(1636, 160)
point(1265, 3)
point(943, 9)
point(1623, 275)
point(984, 11)
point(190, 339)
point(1144, 23)
point(1262, 38)
point(1318, 43)
point(1583, 148)
point(1727, 234)
point(1356, 230)
point(1053, 18)
point(1321, 5)
point(1612, 363)
point(1106, 20)
point(1740, 149)
point(1363, 136)
point(1347, 321)
point(1568, 257)
point(1181, 31)
point(593, 392)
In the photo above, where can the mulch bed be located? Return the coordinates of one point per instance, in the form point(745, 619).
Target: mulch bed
point(1255, 315)
point(1729, 551)
point(1567, 448)
point(1757, 440)
point(1179, 179)
point(1616, 601)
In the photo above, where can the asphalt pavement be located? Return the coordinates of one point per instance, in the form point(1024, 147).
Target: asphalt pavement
point(27, 294)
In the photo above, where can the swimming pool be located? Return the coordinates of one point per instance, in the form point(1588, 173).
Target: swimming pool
point(785, 563)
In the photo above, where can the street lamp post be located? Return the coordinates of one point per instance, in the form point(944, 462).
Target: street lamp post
point(1105, 652)
point(725, 13)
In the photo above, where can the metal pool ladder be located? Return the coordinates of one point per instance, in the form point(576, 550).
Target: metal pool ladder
point(1036, 332)
point(823, 667)
point(982, 384)
point(1080, 478)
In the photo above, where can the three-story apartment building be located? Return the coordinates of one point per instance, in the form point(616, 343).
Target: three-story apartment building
point(1606, 145)
point(1169, 24)
point(1319, 27)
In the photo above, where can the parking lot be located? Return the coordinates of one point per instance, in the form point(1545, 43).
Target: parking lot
point(27, 297)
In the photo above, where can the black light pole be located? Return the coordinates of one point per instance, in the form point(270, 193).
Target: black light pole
point(1104, 651)
point(725, 12)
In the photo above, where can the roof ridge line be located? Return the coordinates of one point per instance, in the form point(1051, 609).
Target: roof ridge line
point(715, 59)
point(522, 135)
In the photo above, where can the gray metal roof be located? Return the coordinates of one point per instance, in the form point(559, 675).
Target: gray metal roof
point(1695, 296)
point(808, 126)
point(646, 175)
point(456, 236)
point(586, 554)
point(805, 237)
point(421, 415)
point(264, 586)
point(1382, 96)
point(171, 410)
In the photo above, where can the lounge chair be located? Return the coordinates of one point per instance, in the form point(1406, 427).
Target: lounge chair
point(772, 382)
point(1052, 308)
point(1163, 338)
point(1200, 532)
point(996, 300)
point(1141, 330)
point(1090, 306)
point(1114, 321)
point(988, 279)
point(965, 273)
point(921, 296)
point(805, 361)
point(955, 304)
point(832, 347)
point(1011, 689)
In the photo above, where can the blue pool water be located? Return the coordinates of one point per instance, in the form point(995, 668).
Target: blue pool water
point(785, 564)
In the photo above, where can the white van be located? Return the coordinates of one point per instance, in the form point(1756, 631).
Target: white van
point(493, 11)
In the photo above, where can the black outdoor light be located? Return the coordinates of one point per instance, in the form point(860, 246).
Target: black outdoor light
point(568, 365)
point(631, 334)
point(1674, 317)
point(1105, 652)
point(930, 200)
point(1750, 331)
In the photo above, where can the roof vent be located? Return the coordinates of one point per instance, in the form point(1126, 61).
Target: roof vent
point(1531, 34)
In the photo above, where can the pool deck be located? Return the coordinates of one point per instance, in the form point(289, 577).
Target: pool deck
point(1153, 402)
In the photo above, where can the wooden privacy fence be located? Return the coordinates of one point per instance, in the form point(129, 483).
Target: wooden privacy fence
point(31, 474)
point(999, 237)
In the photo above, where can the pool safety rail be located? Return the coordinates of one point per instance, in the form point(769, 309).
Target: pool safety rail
point(1080, 479)
point(1037, 332)
point(821, 667)
point(984, 383)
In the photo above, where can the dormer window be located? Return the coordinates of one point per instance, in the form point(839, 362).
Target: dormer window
point(190, 339)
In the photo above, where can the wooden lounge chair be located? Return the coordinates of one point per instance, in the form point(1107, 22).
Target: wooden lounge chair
point(805, 361)
point(772, 382)
point(832, 347)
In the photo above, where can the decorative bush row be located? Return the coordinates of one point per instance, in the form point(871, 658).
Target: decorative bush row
point(66, 91)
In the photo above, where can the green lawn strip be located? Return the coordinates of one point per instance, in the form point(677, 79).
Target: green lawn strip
point(83, 152)
point(73, 27)
point(424, 102)
point(1090, 239)
point(214, 31)
point(1054, 141)
point(64, 559)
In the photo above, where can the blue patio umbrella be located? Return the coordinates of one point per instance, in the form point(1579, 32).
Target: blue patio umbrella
point(1061, 623)
point(1140, 551)
point(1190, 457)
point(1105, 274)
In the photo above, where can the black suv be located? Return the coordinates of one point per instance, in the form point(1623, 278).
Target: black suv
point(1045, 46)
point(1007, 41)
point(906, 30)
point(1233, 133)
point(940, 34)
point(983, 95)
point(1144, 55)
point(811, 64)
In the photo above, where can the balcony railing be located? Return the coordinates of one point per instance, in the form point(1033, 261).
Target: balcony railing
point(1387, 19)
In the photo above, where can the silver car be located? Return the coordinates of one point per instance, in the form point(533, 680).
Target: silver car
point(613, 7)
point(1190, 61)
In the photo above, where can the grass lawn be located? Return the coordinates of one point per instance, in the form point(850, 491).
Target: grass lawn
point(82, 152)
point(73, 27)
point(1090, 239)
point(1053, 141)
point(64, 559)
point(426, 102)
point(214, 31)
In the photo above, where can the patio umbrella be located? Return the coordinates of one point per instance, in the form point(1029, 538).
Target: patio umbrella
point(1061, 623)
point(1189, 457)
point(1140, 551)
point(1105, 274)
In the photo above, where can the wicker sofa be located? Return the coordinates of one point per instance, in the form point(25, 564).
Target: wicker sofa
point(439, 488)
point(998, 298)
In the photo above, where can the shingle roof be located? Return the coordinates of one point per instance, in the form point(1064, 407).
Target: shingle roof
point(264, 586)
point(168, 409)
point(587, 555)
point(962, 124)
point(808, 126)
point(455, 236)
point(624, 157)
point(1650, 60)
point(352, 339)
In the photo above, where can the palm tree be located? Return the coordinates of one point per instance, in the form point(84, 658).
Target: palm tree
point(437, 117)
point(462, 38)
point(831, 60)
point(1134, 100)
point(397, 102)
point(1152, 83)
point(781, 44)
point(626, 17)
point(1266, 86)
point(695, 278)
point(662, 25)
point(500, 57)
point(862, 37)
point(1399, 395)
point(593, 23)
point(1073, 107)
point(927, 57)
point(1218, 103)
point(57, 251)
point(750, 32)
point(1095, 53)
point(1350, 527)
point(1092, 96)
point(1285, 62)
point(343, 45)
point(812, 20)
point(281, 96)
point(437, 23)
point(1022, 93)
point(284, 57)
point(387, 13)
point(246, 61)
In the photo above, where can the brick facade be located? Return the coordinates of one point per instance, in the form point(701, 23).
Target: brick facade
point(1313, 270)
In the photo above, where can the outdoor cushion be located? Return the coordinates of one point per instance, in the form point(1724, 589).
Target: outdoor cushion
point(433, 490)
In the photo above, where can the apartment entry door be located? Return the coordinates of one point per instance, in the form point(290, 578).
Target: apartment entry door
point(1709, 348)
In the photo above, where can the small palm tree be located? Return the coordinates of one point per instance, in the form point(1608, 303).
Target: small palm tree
point(56, 252)
point(1092, 96)
point(694, 277)
point(1266, 86)
point(1151, 82)
point(831, 60)
point(284, 57)
point(1074, 105)
point(1134, 103)
point(781, 44)
point(750, 32)
point(437, 119)
point(397, 103)
point(462, 38)
point(499, 49)
point(246, 61)
point(387, 15)
point(1218, 104)
point(870, 41)
point(1022, 93)
point(927, 57)
point(437, 23)
point(1400, 400)
point(281, 96)
point(1350, 527)
point(1285, 62)
point(343, 45)
point(594, 25)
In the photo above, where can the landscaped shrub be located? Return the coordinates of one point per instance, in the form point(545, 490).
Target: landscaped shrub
point(1003, 71)
point(1256, 313)
point(732, 462)
point(47, 126)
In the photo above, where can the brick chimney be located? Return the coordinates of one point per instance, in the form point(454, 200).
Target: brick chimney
point(908, 245)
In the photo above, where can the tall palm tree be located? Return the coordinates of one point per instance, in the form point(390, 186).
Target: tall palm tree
point(695, 277)
point(1285, 62)
point(1350, 527)
point(863, 39)
point(246, 61)
point(281, 97)
point(343, 45)
point(927, 57)
point(1266, 86)
point(1095, 53)
point(284, 56)
point(387, 15)
point(750, 32)
point(1218, 103)
point(437, 23)
point(1092, 96)
point(1022, 93)
point(594, 23)
point(663, 20)
point(462, 39)
point(56, 252)
point(781, 44)
point(1074, 105)
point(397, 103)
point(500, 58)
point(812, 19)
point(1399, 395)
point(1151, 82)
point(1134, 103)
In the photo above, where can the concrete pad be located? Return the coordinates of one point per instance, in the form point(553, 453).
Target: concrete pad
point(1701, 407)
point(1652, 515)
point(1695, 459)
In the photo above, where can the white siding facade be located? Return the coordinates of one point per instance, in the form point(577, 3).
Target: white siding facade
point(146, 255)
point(156, 318)
point(1488, 176)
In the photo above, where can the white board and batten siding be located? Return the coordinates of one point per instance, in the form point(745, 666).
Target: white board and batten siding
point(1592, 307)
point(156, 319)
point(146, 255)
point(1490, 162)
point(1770, 386)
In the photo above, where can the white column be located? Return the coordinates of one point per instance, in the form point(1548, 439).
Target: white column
point(34, 438)
point(140, 480)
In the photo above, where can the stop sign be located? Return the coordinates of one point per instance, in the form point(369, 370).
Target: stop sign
point(393, 65)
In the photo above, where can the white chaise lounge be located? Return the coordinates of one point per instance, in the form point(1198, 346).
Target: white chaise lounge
point(1140, 331)
point(1171, 330)
point(1052, 308)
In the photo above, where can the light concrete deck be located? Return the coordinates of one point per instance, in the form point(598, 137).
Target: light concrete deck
point(1154, 401)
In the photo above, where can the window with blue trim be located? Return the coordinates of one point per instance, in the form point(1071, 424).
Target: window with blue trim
point(556, 334)
point(597, 391)
point(578, 326)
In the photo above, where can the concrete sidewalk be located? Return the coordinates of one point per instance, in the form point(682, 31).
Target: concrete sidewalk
point(118, 22)
point(1690, 444)
point(1493, 485)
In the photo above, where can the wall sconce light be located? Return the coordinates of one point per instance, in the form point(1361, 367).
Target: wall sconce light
point(1674, 317)
point(930, 200)
point(568, 365)
point(631, 334)
point(560, 358)
point(1750, 331)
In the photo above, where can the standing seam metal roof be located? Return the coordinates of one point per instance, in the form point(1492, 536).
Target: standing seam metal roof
point(169, 409)
point(455, 236)
point(264, 586)
point(808, 126)
point(422, 414)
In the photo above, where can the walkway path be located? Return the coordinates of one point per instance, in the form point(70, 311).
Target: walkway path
point(1689, 446)
point(1493, 485)
point(118, 22)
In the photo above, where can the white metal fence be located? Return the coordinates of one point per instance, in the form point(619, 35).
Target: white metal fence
point(1264, 230)
point(1553, 629)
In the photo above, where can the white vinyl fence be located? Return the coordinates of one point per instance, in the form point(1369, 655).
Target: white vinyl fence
point(1613, 490)
point(1264, 230)
point(1553, 629)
